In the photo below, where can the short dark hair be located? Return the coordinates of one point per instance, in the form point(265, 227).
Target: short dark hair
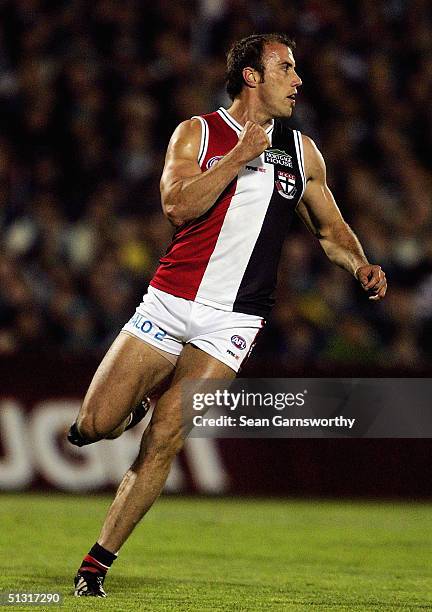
point(248, 52)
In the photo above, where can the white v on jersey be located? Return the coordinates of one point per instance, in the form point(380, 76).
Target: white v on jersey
point(228, 257)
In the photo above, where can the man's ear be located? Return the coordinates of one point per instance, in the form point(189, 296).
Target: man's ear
point(250, 77)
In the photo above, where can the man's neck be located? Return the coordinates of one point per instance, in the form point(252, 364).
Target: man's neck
point(247, 111)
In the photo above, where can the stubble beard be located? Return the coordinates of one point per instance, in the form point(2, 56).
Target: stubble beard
point(285, 111)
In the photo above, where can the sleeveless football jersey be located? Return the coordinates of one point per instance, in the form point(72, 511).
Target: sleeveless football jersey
point(228, 257)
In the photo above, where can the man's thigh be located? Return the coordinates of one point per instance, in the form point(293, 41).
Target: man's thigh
point(130, 370)
point(196, 371)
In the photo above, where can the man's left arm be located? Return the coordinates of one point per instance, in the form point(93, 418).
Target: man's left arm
point(320, 213)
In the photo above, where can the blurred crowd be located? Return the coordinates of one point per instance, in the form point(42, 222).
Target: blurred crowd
point(89, 95)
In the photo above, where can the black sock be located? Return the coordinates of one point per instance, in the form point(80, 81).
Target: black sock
point(98, 560)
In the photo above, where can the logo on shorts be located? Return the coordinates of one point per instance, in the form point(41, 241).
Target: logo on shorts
point(238, 342)
point(213, 160)
point(285, 184)
point(277, 156)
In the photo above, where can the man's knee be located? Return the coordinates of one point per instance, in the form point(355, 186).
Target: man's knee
point(87, 427)
point(165, 444)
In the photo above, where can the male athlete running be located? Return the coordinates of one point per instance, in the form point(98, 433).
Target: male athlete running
point(231, 184)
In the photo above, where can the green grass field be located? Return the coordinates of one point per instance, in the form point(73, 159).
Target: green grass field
point(218, 554)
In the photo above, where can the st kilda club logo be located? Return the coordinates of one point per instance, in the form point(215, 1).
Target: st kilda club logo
point(285, 184)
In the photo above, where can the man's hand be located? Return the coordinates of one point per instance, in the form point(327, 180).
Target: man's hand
point(253, 140)
point(373, 280)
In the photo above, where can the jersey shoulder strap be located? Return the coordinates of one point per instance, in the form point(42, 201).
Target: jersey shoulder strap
point(217, 138)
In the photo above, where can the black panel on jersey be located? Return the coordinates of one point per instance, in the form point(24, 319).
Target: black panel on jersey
point(256, 290)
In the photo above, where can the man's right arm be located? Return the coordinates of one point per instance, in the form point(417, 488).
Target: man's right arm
point(187, 192)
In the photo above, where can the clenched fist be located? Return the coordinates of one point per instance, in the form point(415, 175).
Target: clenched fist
point(373, 280)
point(253, 140)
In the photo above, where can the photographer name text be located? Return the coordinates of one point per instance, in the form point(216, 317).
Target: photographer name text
point(276, 421)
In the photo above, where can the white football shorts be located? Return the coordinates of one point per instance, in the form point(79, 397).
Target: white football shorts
point(168, 322)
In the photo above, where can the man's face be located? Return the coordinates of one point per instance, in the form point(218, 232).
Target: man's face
point(281, 81)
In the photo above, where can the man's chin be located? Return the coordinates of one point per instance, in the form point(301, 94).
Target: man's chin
point(285, 114)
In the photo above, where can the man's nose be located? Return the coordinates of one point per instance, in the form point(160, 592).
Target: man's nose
point(297, 80)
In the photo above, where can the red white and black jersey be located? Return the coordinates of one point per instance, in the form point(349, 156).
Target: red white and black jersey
point(228, 257)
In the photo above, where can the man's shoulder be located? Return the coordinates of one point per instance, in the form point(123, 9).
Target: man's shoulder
point(310, 148)
point(186, 128)
point(208, 116)
point(195, 121)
